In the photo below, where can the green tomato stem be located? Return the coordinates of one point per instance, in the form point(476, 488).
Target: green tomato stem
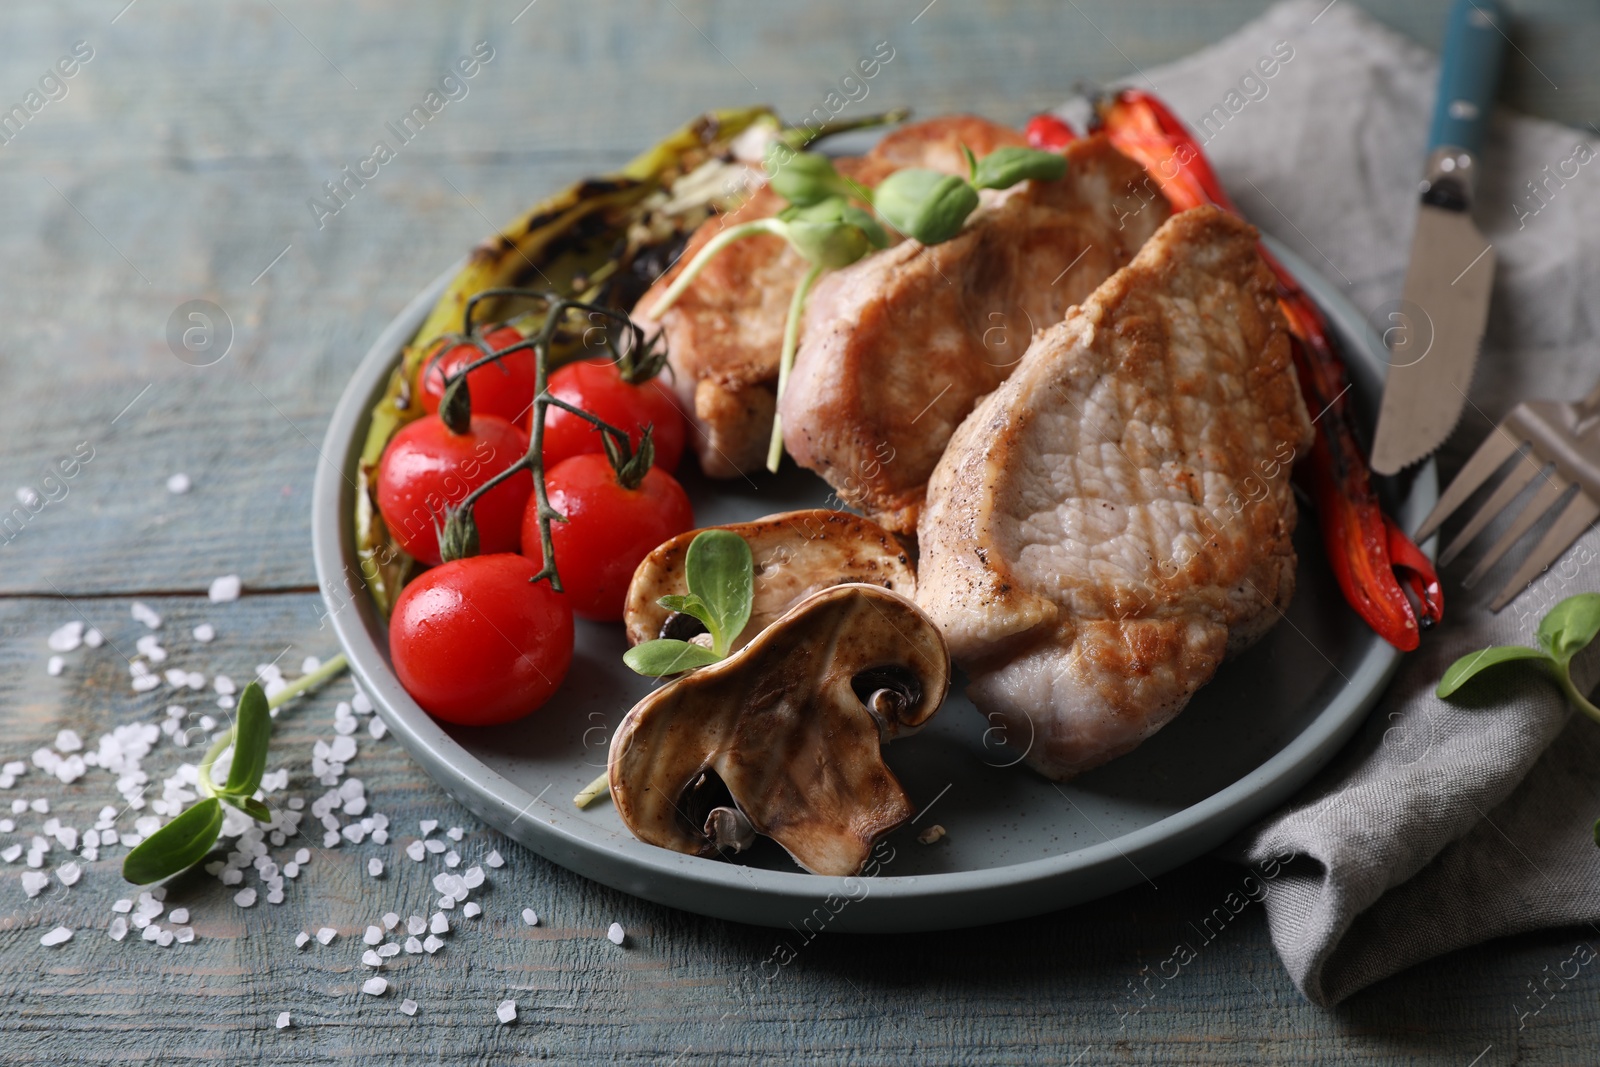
point(705, 255)
point(600, 787)
point(791, 338)
point(224, 741)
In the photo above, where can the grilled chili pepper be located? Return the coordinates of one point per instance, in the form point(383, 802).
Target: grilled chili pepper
point(1370, 555)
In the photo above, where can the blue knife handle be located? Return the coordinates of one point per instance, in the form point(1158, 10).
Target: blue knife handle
point(1474, 45)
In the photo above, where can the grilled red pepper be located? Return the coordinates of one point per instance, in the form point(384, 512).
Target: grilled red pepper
point(1369, 554)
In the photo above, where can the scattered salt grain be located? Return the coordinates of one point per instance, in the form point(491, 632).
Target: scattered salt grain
point(67, 637)
point(122, 906)
point(118, 929)
point(439, 924)
point(11, 853)
point(178, 484)
point(452, 858)
point(413, 946)
point(283, 1016)
point(59, 936)
point(377, 729)
point(245, 898)
point(41, 805)
point(530, 916)
point(301, 939)
point(371, 958)
point(54, 666)
point(224, 589)
point(416, 925)
point(375, 867)
point(94, 638)
point(494, 859)
point(179, 915)
point(342, 750)
point(205, 633)
point(433, 845)
point(408, 1007)
point(224, 685)
point(143, 613)
point(473, 877)
point(301, 856)
point(931, 834)
point(376, 987)
point(33, 882)
point(390, 920)
point(186, 934)
point(361, 703)
point(68, 741)
point(455, 833)
point(68, 873)
point(432, 944)
point(326, 934)
point(165, 938)
point(472, 910)
point(390, 949)
point(506, 1012)
point(428, 826)
point(616, 935)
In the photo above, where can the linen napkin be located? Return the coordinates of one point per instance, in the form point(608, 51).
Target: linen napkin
point(1444, 823)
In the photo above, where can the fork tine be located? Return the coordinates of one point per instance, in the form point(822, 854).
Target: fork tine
point(1498, 447)
point(1575, 518)
point(1523, 472)
point(1546, 498)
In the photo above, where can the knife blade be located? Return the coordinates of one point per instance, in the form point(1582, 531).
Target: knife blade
point(1435, 333)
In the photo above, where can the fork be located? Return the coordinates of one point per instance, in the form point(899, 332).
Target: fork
point(1559, 435)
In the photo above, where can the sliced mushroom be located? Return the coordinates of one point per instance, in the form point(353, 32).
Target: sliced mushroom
point(797, 553)
point(783, 737)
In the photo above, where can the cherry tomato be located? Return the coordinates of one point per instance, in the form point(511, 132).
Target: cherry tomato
point(476, 642)
point(503, 388)
point(1049, 133)
point(597, 387)
point(608, 531)
point(427, 470)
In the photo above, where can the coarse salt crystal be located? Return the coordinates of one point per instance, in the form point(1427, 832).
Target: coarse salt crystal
point(408, 1007)
point(309, 664)
point(342, 750)
point(472, 910)
point(361, 703)
point(301, 856)
point(372, 936)
point(428, 826)
point(439, 924)
point(123, 906)
point(377, 728)
point(326, 934)
point(375, 867)
point(390, 920)
point(142, 613)
point(390, 949)
point(164, 938)
point(371, 958)
point(224, 685)
point(301, 939)
point(530, 917)
point(54, 666)
point(376, 987)
point(245, 898)
point(507, 1011)
point(472, 878)
point(177, 485)
point(494, 859)
point(432, 944)
point(413, 946)
point(452, 858)
point(455, 833)
point(68, 741)
point(68, 873)
point(283, 1016)
point(67, 637)
point(118, 929)
point(416, 925)
point(179, 915)
point(186, 935)
point(415, 851)
point(11, 853)
point(59, 936)
point(616, 935)
point(205, 633)
point(224, 589)
point(33, 882)
point(41, 805)
point(94, 638)
point(433, 845)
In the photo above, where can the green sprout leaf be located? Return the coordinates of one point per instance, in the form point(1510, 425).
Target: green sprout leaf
point(252, 731)
point(924, 204)
point(657, 659)
point(1570, 626)
point(832, 233)
point(719, 569)
point(1005, 167)
point(689, 605)
point(1472, 663)
point(250, 806)
point(180, 844)
point(806, 178)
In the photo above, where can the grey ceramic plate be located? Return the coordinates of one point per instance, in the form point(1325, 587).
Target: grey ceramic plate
point(1017, 844)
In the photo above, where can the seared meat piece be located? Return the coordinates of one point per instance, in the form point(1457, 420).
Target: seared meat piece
point(725, 333)
point(898, 347)
point(1115, 519)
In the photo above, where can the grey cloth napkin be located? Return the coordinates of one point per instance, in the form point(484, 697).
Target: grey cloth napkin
point(1443, 824)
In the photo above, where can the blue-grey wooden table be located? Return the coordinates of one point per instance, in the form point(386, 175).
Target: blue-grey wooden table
point(178, 162)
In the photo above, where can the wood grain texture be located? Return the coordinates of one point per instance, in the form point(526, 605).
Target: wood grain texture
point(177, 167)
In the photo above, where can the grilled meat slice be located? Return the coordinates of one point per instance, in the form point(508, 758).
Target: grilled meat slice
point(1115, 519)
point(724, 334)
point(898, 347)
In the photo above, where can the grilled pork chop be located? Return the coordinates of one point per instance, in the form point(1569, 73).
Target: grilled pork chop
point(898, 347)
point(725, 333)
point(1115, 519)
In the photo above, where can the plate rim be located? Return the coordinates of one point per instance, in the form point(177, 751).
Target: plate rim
point(766, 897)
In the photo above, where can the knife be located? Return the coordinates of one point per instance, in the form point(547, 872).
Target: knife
point(1434, 335)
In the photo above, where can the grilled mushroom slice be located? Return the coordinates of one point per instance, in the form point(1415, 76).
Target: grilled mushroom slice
point(796, 554)
point(783, 737)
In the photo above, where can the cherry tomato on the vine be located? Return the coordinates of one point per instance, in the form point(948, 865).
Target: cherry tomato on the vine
point(475, 642)
point(1048, 133)
point(597, 387)
point(503, 388)
point(427, 470)
point(608, 531)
